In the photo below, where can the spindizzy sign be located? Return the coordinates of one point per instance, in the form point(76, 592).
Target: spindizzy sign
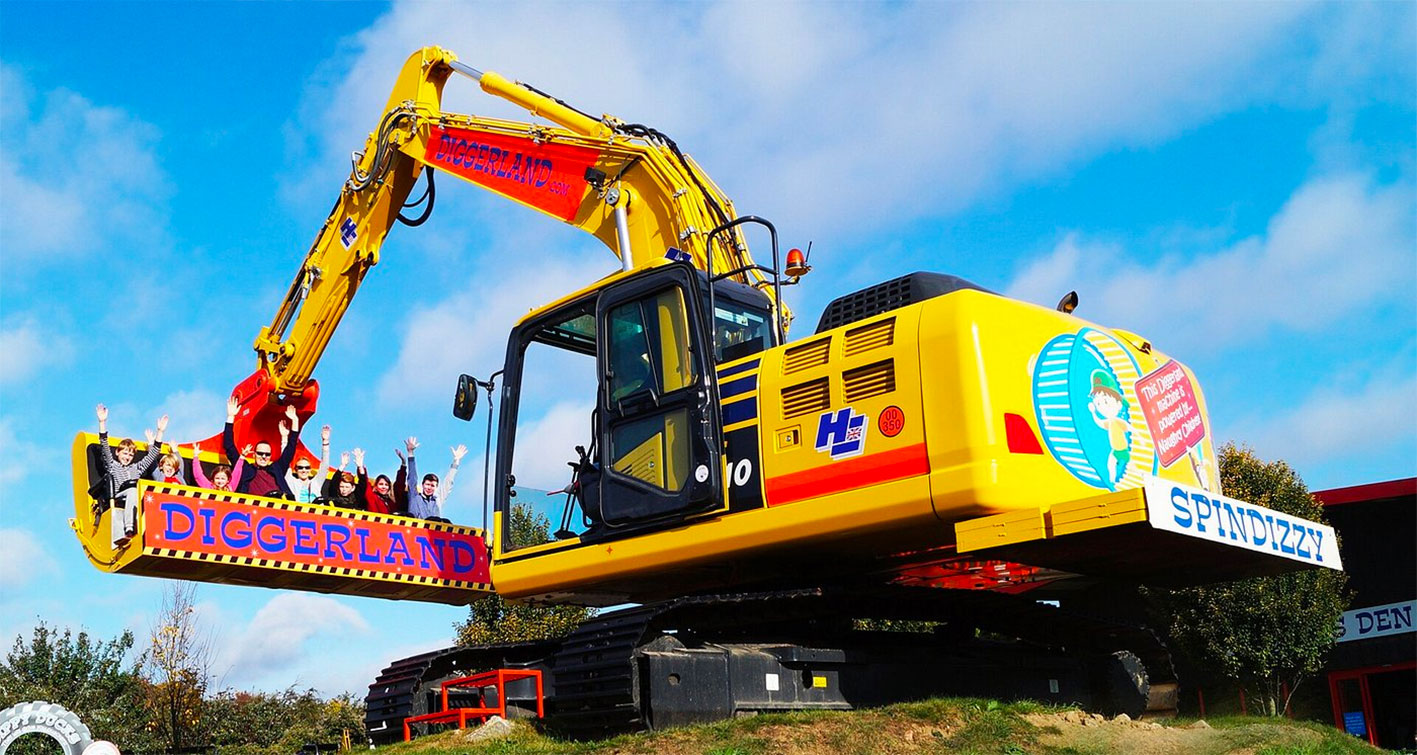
point(1194, 512)
point(309, 536)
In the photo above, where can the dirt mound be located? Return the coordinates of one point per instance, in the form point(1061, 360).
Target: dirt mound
point(1090, 732)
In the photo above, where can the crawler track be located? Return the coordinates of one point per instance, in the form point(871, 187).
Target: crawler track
point(596, 680)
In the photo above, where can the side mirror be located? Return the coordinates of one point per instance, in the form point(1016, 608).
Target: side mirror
point(465, 400)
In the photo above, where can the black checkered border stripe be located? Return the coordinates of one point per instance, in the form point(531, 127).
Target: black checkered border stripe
point(339, 571)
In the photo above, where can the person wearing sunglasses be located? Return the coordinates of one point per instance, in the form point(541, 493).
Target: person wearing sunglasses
point(302, 479)
point(266, 474)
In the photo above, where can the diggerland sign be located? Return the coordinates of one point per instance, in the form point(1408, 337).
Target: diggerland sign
point(547, 176)
point(314, 535)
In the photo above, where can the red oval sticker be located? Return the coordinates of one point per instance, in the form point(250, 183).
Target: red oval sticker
point(891, 421)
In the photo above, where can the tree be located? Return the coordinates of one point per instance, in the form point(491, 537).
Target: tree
point(92, 678)
point(1264, 632)
point(492, 620)
point(264, 723)
point(178, 662)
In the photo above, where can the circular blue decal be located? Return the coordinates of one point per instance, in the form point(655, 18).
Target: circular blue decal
point(1084, 398)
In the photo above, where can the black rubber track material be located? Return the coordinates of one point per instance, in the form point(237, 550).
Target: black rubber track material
point(593, 686)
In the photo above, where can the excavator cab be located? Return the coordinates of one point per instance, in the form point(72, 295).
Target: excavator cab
point(649, 403)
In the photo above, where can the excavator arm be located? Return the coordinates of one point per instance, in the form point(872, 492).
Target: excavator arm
point(625, 184)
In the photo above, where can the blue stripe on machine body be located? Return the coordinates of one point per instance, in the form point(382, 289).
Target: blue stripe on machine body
point(751, 364)
point(740, 411)
point(737, 387)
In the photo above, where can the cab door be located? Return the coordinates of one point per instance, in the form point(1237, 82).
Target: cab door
point(657, 436)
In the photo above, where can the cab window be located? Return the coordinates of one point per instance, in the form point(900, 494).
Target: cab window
point(650, 358)
point(739, 331)
point(649, 346)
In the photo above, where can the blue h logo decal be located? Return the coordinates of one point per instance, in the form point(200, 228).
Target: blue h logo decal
point(842, 433)
point(348, 233)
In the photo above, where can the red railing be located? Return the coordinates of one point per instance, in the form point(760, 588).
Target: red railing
point(496, 678)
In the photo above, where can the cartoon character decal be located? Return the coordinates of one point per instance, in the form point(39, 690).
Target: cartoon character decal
point(1106, 408)
point(1085, 402)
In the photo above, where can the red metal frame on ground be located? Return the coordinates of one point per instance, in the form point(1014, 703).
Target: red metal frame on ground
point(496, 678)
point(1360, 674)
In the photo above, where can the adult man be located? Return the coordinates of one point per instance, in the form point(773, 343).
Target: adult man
point(264, 477)
point(425, 501)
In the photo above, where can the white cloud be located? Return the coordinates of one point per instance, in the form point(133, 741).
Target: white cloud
point(467, 331)
point(19, 459)
point(23, 559)
point(279, 636)
point(192, 415)
point(547, 443)
point(810, 113)
point(1340, 244)
point(1333, 425)
point(74, 174)
point(27, 348)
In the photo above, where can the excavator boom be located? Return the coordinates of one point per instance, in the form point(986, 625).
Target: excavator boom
point(625, 184)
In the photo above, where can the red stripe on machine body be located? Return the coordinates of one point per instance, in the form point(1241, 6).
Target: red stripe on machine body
point(836, 477)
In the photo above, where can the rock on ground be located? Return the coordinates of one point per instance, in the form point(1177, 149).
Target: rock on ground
point(495, 727)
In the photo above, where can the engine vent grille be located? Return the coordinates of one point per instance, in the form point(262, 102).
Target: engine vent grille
point(807, 355)
point(805, 398)
point(871, 380)
point(873, 336)
point(893, 294)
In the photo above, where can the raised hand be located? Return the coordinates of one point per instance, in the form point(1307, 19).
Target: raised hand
point(343, 460)
point(231, 406)
point(284, 430)
point(246, 450)
point(411, 444)
point(196, 451)
point(162, 424)
point(294, 420)
point(459, 452)
point(400, 455)
point(359, 458)
point(325, 435)
point(148, 433)
point(102, 412)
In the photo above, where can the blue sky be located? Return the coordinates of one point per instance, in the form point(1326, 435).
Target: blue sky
point(1235, 181)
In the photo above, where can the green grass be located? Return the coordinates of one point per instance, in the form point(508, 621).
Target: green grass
point(946, 725)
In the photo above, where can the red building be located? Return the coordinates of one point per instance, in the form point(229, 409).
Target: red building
point(1372, 672)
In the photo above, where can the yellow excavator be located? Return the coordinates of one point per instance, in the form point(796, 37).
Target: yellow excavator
point(933, 451)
